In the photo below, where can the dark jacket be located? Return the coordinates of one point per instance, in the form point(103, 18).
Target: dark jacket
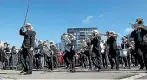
point(125, 45)
point(135, 36)
point(29, 38)
point(112, 43)
point(53, 48)
point(96, 43)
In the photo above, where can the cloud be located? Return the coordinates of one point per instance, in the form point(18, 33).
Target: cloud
point(128, 30)
point(88, 19)
point(100, 16)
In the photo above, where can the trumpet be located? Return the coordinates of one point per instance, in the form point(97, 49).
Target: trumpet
point(105, 34)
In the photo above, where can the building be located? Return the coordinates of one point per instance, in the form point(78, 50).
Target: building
point(59, 46)
point(128, 36)
point(81, 34)
point(2, 43)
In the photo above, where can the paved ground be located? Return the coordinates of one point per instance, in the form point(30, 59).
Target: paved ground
point(144, 77)
point(80, 74)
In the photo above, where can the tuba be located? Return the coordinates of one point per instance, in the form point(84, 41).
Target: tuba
point(68, 40)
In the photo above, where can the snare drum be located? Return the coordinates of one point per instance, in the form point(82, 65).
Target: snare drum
point(123, 52)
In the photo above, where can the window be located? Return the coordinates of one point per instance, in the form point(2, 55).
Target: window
point(78, 37)
point(75, 34)
point(82, 33)
point(78, 33)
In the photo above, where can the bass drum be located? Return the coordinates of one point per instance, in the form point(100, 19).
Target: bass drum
point(123, 53)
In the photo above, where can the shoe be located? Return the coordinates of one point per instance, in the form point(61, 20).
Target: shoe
point(22, 72)
point(111, 67)
point(117, 69)
point(141, 68)
point(27, 73)
point(125, 67)
point(99, 70)
point(90, 69)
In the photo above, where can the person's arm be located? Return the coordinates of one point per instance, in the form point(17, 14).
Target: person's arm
point(21, 32)
point(132, 34)
point(121, 46)
point(144, 31)
point(129, 45)
point(32, 39)
point(99, 37)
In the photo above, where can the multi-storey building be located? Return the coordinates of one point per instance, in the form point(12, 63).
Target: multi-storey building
point(1, 43)
point(81, 34)
point(59, 46)
point(128, 36)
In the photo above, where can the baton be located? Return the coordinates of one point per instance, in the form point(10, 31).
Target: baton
point(26, 14)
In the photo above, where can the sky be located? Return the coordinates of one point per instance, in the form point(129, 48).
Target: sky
point(51, 18)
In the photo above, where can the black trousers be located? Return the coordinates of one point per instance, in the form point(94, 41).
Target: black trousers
point(114, 58)
point(89, 57)
point(83, 60)
point(70, 59)
point(71, 63)
point(27, 60)
point(127, 61)
point(134, 57)
point(65, 57)
point(145, 57)
point(97, 59)
point(49, 62)
point(90, 61)
point(139, 56)
point(104, 60)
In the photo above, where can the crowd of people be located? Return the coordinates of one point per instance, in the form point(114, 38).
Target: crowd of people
point(97, 52)
point(94, 53)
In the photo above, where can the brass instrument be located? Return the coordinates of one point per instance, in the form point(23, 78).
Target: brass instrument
point(83, 44)
point(40, 42)
point(139, 24)
point(140, 21)
point(109, 33)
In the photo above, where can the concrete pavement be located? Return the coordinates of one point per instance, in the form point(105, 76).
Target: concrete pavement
point(80, 74)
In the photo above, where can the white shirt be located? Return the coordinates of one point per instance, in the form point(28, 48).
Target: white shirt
point(102, 47)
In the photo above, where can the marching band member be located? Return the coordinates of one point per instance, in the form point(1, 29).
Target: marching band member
point(103, 52)
point(27, 48)
point(83, 55)
point(96, 49)
point(138, 34)
point(113, 53)
point(69, 41)
point(125, 53)
point(54, 49)
point(133, 54)
point(48, 55)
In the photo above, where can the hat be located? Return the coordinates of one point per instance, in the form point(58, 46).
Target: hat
point(28, 24)
point(95, 31)
point(5, 43)
point(112, 32)
point(51, 41)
